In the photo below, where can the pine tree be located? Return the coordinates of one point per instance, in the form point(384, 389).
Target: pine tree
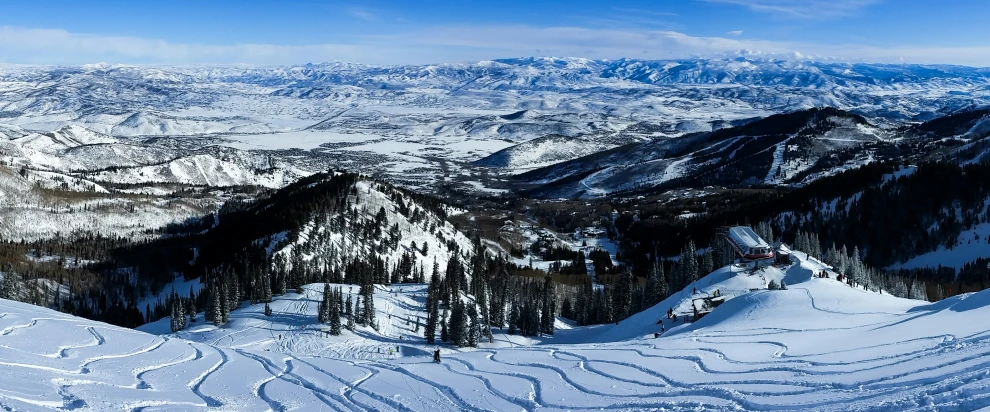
point(690, 263)
point(369, 307)
point(444, 332)
point(514, 317)
point(324, 313)
point(458, 323)
point(432, 307)
point(335, 314)
point(216, 303)
point(474, 326)
point(609, 306)
point(656, 285)
point(192, 308)
point(547, 309)
point(486, 329)
point(358, 312)
point(707, 263)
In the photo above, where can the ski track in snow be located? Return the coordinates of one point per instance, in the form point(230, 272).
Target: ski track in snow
point(812, 347)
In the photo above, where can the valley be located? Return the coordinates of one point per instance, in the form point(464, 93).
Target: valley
point(307, 237)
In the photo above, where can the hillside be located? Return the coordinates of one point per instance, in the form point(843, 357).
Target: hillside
point(781, 149)
point(818, 345)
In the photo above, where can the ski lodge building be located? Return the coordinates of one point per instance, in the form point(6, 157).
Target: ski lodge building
point(748, 244)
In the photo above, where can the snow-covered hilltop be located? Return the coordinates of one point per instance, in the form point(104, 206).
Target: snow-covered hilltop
point(819, 345)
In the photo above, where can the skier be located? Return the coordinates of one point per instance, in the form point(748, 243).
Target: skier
point(436, 355)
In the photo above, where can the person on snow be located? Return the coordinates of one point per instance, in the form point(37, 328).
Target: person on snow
point(436, 355)
point(656, 335)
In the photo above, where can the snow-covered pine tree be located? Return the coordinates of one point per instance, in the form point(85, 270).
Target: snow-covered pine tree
point(482, 300)
point(622, 297)
point(918, 290)
point(474, 326)
point(547, 305)
point(369, 306)
point(689, 263)
point(216, 303)
point(444, 330)
point(323, 314)
point(174, 317)
point(358, 312)
point(816, 246)
point(192, 308)
point(335, 313)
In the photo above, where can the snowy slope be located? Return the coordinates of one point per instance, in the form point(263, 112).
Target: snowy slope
point(433, 231)
point(820, 345)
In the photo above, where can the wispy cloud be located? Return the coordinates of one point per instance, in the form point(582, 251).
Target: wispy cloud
point(363, 14)
point(736, 33)
point(644, 11)
point(806, 9)
point(452, 44)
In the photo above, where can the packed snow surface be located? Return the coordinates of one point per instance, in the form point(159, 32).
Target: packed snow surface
point(819, 345)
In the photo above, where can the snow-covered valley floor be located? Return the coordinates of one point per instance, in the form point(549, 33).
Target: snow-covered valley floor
point(820, 345)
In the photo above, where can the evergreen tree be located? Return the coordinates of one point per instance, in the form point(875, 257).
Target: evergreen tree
point(335, 313)
point(707, 262)
point(689, 264)
point(216, 304)
point(474, 326)
point(609, 315)
point(325, 309)
point(514, 317)
point(444, 332)
point(458, 323)
point(369, 306)
point(549, 306)
point(359, 313)
point(432, 307)
point(192, 308)
point(656, 285)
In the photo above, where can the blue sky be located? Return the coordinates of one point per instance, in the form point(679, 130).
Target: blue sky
point(435, 31)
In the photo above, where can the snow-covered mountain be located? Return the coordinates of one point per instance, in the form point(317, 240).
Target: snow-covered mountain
point(416, 124)
point(818, 345)
point(787, 148)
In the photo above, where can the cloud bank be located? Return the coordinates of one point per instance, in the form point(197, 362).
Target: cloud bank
point(454, 44)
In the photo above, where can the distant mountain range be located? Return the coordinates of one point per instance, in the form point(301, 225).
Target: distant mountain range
point(232, 125)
